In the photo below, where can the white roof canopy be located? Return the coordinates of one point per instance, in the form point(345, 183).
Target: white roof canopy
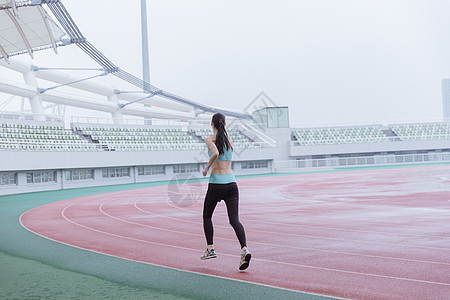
point(24, 29)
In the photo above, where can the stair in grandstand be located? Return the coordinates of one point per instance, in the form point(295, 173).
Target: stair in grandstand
point(390, 134)
point(255, 135)
point(239, 139)
point(195, 137)
point(89, 138)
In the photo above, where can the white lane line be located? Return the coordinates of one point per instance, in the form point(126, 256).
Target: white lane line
point(144, 225)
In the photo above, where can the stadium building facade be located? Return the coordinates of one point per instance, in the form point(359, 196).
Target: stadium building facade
point(45, 155)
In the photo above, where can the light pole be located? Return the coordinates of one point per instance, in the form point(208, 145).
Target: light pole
point(144, 29)
point(145, 60)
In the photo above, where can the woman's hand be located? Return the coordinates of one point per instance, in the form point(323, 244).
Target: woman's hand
point(205, 171)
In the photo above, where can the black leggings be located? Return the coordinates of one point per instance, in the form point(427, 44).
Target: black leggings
point(230, 193)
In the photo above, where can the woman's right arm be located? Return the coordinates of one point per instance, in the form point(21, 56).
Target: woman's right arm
point(214, 154)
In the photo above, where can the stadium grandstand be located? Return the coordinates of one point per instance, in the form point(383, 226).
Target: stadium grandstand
point(42, 151)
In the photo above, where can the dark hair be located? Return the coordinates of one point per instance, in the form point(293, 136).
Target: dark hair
point(222, 136)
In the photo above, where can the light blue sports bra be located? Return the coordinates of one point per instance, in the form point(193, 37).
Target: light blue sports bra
point(227, 155)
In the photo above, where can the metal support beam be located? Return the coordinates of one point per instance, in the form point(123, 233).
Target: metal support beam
point(52, 38)
point(4, 54)
point(22, 34)
point(14, 7)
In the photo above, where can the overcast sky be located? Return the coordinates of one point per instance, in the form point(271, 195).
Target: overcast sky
point(330, 61)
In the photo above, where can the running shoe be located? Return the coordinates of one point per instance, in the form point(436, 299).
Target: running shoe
point(245, 259)
point(209, 254)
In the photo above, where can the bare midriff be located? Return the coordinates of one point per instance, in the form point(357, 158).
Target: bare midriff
point(221, 167)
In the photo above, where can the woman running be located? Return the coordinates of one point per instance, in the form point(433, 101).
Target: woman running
point(222, 186)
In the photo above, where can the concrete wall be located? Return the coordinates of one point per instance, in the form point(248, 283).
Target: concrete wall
point(35, 160)
point(20, 163)
point(282, 137)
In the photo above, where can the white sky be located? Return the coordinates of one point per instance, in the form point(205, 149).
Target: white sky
point(330, 61)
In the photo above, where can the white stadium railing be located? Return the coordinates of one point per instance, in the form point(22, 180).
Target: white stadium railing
point(108, 146)
point(112, 121)
point(336, 162)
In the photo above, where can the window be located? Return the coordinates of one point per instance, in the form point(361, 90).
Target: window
point(283, 117)
point(116, 172)
point(83, 174)
point(254, 164)
point(41, 177)
point(29, 177)
point(272, 117)
point(8, 179)
point(187, 168)
point(150, 170)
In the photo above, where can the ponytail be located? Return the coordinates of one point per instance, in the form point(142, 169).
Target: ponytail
point(222, 140)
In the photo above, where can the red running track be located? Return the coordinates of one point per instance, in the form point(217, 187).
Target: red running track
point(372, 234)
